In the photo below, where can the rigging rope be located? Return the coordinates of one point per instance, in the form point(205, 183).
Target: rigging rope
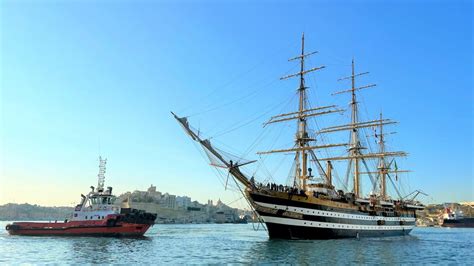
point(241, 75)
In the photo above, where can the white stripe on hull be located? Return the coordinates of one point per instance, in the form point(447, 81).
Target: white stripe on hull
point(306, 223)
point(313, 212)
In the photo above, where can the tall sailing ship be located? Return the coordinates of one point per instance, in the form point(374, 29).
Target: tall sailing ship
point(312, 207)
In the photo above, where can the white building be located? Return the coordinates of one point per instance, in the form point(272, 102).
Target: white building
point(168, 201)
point(183, 202)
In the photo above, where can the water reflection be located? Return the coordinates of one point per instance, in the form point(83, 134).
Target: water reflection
point(105, 249)
point(337, 251)
point(93, 250)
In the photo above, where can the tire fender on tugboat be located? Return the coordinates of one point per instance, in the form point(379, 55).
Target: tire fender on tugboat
point(111, 222)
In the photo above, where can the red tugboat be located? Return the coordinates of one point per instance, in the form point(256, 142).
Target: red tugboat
point(96, 215)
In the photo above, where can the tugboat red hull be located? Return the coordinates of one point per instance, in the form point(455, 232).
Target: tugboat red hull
point(77, 229)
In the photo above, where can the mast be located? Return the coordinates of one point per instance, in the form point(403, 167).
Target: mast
point(101, 175)
point(382, 167)
point(302, 148)
point(302, 135)
point(355, 143)
point(355, 154)
point(301, 138)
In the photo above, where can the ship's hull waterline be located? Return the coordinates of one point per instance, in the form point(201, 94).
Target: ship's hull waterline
point(292, 219)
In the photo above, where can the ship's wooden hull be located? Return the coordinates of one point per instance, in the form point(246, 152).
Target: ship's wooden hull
point(296, 217)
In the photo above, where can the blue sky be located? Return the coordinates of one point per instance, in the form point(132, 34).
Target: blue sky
point(83, 78)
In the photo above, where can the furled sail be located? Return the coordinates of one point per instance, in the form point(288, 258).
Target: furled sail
point(217, 158)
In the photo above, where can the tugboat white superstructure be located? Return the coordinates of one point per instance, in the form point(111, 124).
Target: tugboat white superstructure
point(307, 209)
point(95, 215)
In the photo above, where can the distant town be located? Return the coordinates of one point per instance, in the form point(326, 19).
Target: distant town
point(170, 209)
point(182, 209)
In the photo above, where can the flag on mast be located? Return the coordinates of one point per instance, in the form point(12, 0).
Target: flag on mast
point(396, 170)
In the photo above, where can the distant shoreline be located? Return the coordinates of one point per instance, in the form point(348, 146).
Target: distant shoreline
point(30, 212)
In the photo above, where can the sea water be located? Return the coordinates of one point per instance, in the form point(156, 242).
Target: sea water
point(239, 243)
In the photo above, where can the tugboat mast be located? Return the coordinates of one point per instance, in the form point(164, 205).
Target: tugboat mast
point(101, 175)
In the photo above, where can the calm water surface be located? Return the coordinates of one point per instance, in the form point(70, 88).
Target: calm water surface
point(232, 243)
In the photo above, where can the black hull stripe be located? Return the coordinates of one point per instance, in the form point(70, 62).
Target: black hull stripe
point(300, 232)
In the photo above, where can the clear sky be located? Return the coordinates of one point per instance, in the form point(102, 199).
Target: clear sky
point(83, 78)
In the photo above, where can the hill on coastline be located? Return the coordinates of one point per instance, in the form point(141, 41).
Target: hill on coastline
point(18, 212)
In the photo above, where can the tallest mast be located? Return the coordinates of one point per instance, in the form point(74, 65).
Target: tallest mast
point(302, 135)
point(302, 139)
